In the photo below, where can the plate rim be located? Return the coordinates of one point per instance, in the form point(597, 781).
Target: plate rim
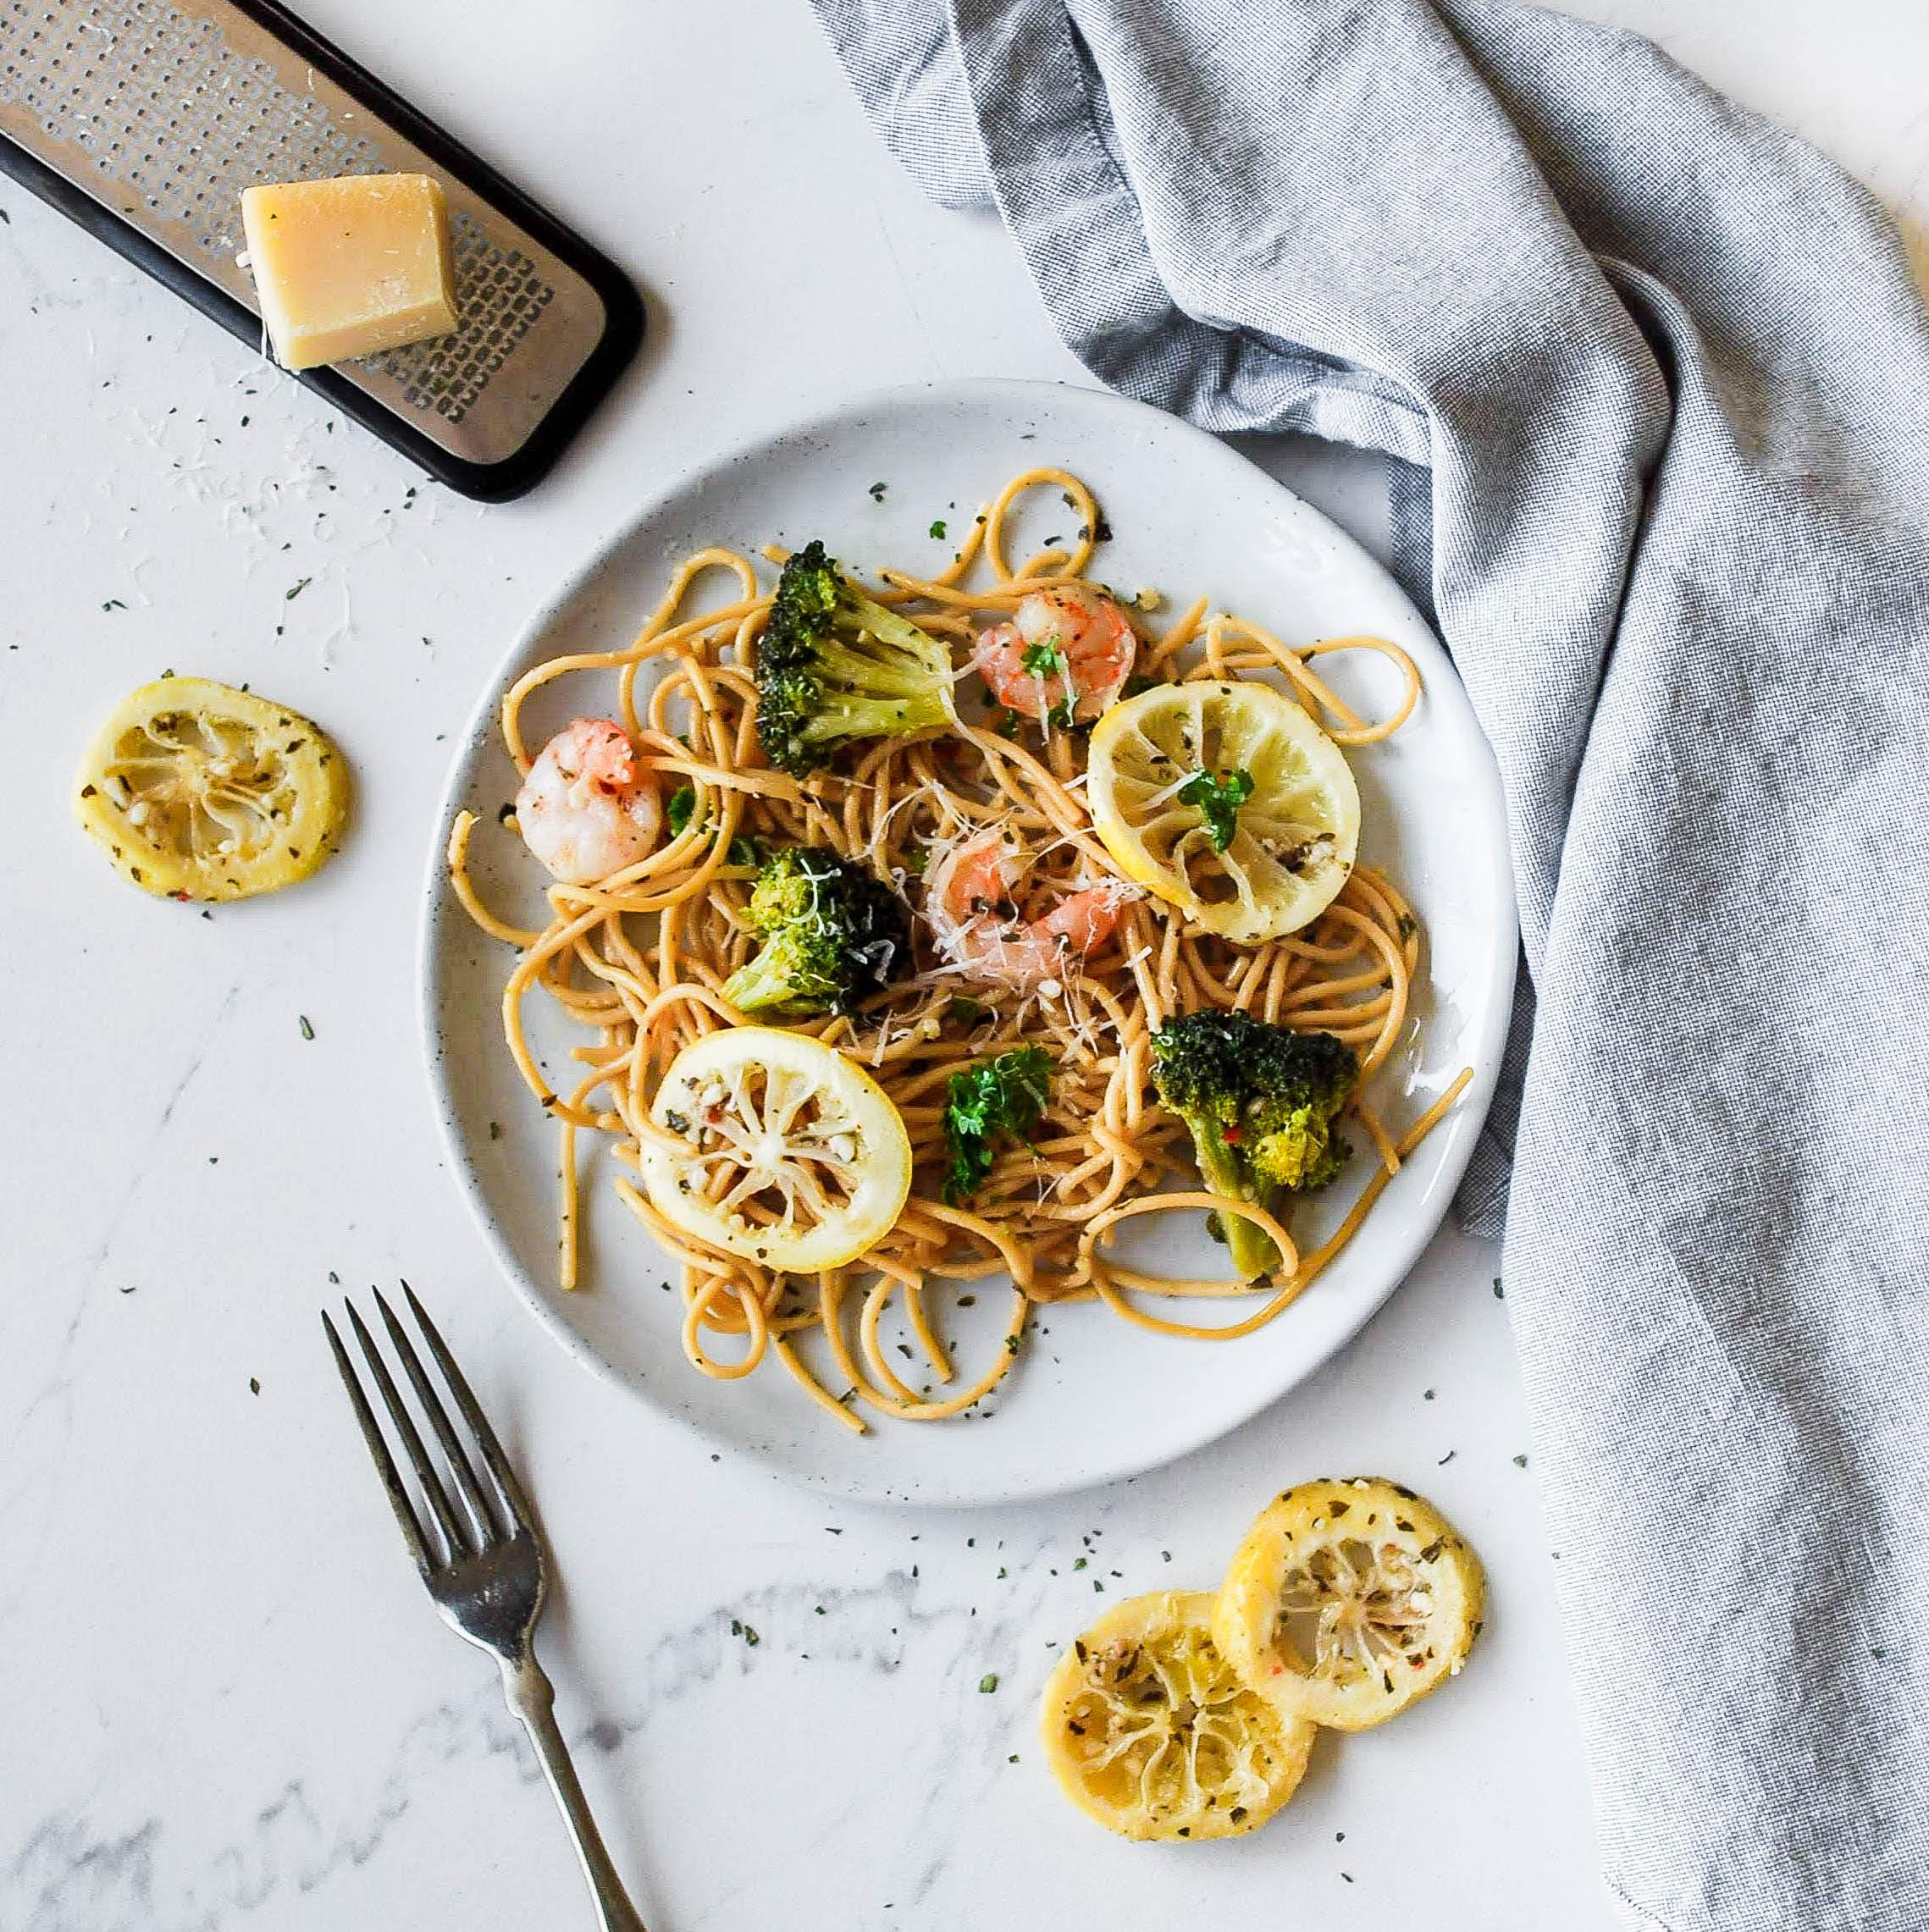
point(438, 902)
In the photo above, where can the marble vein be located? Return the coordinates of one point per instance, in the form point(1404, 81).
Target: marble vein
point(73, 1875)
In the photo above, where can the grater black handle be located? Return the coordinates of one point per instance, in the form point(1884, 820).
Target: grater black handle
point(537, 452)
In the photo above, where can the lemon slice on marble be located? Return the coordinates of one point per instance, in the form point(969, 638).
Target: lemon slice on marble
point(1149, 1730)
point(1227, 800)
point(198, 791)
point(1364, 1579)
point(776, 1147)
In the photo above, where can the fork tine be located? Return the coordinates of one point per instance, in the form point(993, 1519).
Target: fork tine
point(384, 1463)
point(433, 1493)
point(508, 1489)
point(482, 1524)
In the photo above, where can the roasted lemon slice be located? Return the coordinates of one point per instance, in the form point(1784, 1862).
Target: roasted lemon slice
point(201, 791)
point(776, 1147)
point(1149, 1730)
point(1227, 800)
point(1365, 1578)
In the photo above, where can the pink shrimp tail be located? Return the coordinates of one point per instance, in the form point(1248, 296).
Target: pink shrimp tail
point(963, 901)
point(603, 752)
point(989, 648)
point(1085, 921)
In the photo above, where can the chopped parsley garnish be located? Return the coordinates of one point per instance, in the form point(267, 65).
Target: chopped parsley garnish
point(1218, 800)
point(877, 491)
point(1004, 1096)
point(1046, 659)
point(937, 529)
point(988, 1682)
point(294, 590)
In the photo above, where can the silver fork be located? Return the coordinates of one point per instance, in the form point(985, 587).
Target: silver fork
point(485, 1566)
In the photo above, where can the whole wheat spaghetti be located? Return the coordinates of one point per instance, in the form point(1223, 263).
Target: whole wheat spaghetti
point(637, 961)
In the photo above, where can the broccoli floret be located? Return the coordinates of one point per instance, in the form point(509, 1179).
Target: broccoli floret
point(682, 808)
point(1259, 1102)
point(833, 935)
point(833, 664)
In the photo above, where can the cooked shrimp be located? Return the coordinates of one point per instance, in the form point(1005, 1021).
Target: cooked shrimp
point(968, 901)
point(1065, 643)
point(585, 810)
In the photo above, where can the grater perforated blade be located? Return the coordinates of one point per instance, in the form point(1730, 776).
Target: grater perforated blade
point(144, 119)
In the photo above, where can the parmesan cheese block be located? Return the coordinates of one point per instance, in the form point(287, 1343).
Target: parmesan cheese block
point(350, 267)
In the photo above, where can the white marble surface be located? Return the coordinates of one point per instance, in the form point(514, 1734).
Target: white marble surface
point(227, 1702)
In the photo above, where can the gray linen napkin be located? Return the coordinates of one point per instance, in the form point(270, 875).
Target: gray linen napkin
point(1668, 376)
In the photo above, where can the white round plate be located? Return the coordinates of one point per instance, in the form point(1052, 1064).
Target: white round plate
point(1093, 1398)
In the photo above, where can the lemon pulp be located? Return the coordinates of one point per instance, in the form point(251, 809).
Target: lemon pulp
point(775, 1146)
point(1272, 862)
point(1349, 1600)
point(1149, 1730)
point(197, 791)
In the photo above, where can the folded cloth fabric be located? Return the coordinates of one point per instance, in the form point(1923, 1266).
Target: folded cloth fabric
point(1669, 377)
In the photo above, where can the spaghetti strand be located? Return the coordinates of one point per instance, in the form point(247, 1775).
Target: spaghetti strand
point(638, 959)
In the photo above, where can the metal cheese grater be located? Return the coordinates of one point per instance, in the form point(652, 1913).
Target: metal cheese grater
point(144, 119)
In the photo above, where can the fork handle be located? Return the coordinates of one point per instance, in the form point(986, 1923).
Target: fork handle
point(532, 1699)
